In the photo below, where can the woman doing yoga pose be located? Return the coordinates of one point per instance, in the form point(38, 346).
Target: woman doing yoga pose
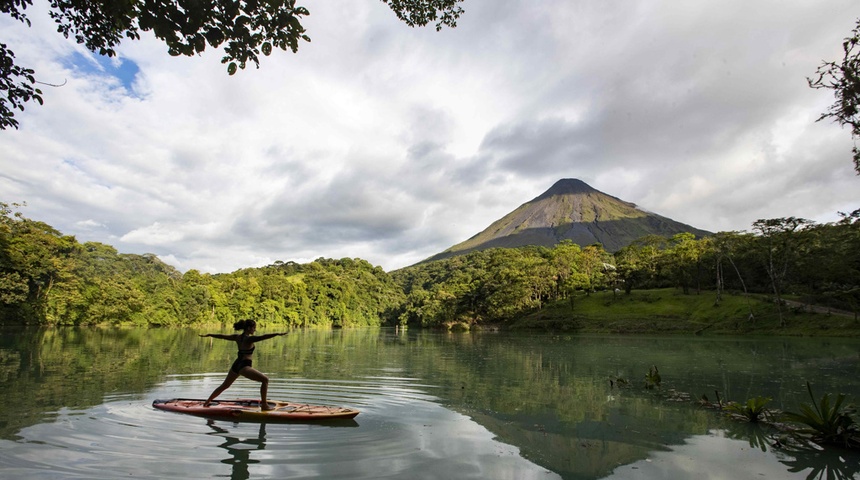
point(242, 365)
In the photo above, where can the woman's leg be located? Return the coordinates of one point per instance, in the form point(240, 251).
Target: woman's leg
point(231, 377)
point(251, 373)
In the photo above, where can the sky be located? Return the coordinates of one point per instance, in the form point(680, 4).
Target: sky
point(389, 143)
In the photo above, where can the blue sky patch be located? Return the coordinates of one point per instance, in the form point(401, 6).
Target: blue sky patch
point(121, 68)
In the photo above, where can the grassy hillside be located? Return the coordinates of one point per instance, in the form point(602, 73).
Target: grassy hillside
point(668, 311)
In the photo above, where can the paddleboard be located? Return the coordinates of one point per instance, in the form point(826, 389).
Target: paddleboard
point(248, 409)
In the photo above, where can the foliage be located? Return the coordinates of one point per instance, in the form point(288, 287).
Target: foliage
point(818, 463)
point(844, 79)
point(652, 378)
point(500, 284)
point(421, 12)
point(50, 278)
point(685, 260)
point(752, 411)
point(17, 83)
point(779, 248)
point(828, 423)
point(245, 28)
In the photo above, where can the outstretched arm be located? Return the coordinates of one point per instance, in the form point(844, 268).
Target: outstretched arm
point(268, 336)
point(218, 335)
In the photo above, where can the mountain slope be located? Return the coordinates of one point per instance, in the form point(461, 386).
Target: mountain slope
point(571, 210)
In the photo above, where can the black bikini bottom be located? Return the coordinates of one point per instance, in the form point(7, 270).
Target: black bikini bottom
point(239, 364)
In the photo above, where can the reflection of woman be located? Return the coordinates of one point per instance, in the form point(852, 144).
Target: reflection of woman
point(240, 454)
point(242, 365)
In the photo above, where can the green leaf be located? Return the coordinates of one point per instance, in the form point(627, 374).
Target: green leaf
point(231, 69)
point(199, 43)
point(295, 25)
point(214, 36)
point(241, 20)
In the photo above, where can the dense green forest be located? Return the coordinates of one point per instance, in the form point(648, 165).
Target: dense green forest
point(50, 278)
point(814, 264)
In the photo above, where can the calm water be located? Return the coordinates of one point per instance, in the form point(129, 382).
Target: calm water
point(77, 404)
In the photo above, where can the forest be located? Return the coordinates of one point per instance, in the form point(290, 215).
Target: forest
point(48, 278)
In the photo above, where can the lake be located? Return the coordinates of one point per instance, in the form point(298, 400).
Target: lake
point(434, 405)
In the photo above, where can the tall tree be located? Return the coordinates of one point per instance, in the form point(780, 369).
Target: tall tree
point(565, 258)
point(684, 259)
point(724, 247)
point(245, 29)
point(844, 79)
point(780, 245)
point(829, 269)
point(34, 253)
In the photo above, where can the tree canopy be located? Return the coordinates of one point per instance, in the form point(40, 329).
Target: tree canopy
point(50, 278)
point(245, 29)
point(844, 79)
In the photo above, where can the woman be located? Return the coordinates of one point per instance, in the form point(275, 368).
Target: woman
point(242, 365)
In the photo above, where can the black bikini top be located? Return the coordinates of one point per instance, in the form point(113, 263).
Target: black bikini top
point(247, 351)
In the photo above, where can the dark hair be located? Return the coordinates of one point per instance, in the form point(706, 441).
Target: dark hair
point(244, 324)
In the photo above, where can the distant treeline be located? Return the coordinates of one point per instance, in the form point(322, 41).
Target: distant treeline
point(50, 278)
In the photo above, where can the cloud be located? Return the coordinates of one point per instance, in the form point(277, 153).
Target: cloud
point(391, 144)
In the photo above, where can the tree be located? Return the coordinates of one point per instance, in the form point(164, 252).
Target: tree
point(17, 83)
point(245, 29)
point(629, 265)
point(565, 258)
point(828, 271)
point(35, 253)
point(684, 259)
point(724, 247)
point(780, 245)
point(844, 79)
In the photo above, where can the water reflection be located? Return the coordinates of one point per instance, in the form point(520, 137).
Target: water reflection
point(240, 454)
point(445, 406)
point(240, 449)
point(758, 436)
point(717, 457)
point(830, 464)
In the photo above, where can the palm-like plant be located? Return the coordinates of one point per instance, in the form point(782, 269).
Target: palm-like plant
point(652, 378)
point(752, 411)
point(826, 422)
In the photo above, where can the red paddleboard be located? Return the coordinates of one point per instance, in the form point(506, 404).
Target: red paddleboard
point(248, 410)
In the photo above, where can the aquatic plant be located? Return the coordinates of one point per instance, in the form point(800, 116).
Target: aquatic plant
point(704, 401)
point(752, 411)
point(652, 378)
point(619, 382)
point(828, 423)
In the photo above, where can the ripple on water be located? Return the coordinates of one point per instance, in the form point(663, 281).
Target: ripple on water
point(402, 432)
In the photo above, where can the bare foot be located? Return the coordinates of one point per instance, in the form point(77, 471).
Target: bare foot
point(265, 407)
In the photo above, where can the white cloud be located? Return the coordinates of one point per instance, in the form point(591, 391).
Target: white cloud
point(391, 144)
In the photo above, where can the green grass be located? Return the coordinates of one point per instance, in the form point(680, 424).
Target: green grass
point(670, 311)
